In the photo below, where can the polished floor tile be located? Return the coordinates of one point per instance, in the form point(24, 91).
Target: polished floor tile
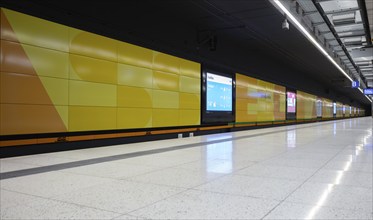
point(177, 177)
point(119, 196)
point(114, 170)
point(194, 204)
point(259, 187)
point(287, 210)
point(337, 196)
point(281, 172)
point(40, 160)
point(50, 184)
point(350, 166)
point(222, 166)
point(310, 171)
point(345, 178)
point(15, 205)
point(9, 165)
point(162, 160)
point(300, 163)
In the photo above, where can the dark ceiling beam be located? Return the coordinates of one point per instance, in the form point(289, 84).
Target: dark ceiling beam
point(318, 1)
point(309, 12)
point(342, 11)
point(364, 17)
point(352, 35)
point(331, 27)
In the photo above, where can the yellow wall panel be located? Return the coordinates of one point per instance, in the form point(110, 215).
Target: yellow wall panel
point(38, 32)
point(165, 99)
point(282, 103)
point(166, 81)
point(92, 45)
point(63, 112)
point(191, 85)
point(22, 88)
point(241, 116)
point(258, 100)
point(92, 118)
point(252, 107)
point(190, 68)
point(48, 62)
point(135, 76)
point(166, 63)
point(269, 107)
point(1, 88)
point(85, 80)
point(265, 116)
point(189, 101)
point(246, 81)
point(57, 89)
point(29, 119)
point(92, 94)
point(327, 108)
point(13, 59)
point(241, 92)
point(241, 104)
point(339, 110)
point(189, 117)
point(261, 106)
point(134, 97)
point(135, 55)
point(306, 105)
point(6, 31)
point(134, 118)
point(92, 70)
point(165, 117)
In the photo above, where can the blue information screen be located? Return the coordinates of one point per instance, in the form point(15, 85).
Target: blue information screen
point(219, 93)
point(368, 91)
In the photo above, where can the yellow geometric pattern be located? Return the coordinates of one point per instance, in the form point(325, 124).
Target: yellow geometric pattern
point(306, 105)
point(327, 108)
point(257, 100)
point(93, 82)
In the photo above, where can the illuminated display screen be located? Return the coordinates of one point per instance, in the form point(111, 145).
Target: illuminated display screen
point(291, 102)
point(319, 107)
point(334, 108)
point(218, 93)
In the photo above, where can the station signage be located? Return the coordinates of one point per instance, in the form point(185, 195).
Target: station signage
point(355, 84)
point(368, 91)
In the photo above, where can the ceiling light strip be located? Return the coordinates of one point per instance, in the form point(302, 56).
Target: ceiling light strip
point(310, 38)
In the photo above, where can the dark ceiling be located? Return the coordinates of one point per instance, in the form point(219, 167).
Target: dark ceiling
point(249, 37)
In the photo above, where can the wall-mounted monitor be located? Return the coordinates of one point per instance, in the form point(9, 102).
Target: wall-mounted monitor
point(218, 97)
point(319, 107)
point(218, 92)
point(334, 108)
point(291, 102)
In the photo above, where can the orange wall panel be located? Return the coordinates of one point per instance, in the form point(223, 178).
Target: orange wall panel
point(22, 89)
point(14, 59)
point(28, 119)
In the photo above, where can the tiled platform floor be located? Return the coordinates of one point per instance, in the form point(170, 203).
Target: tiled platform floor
point(311, 171)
